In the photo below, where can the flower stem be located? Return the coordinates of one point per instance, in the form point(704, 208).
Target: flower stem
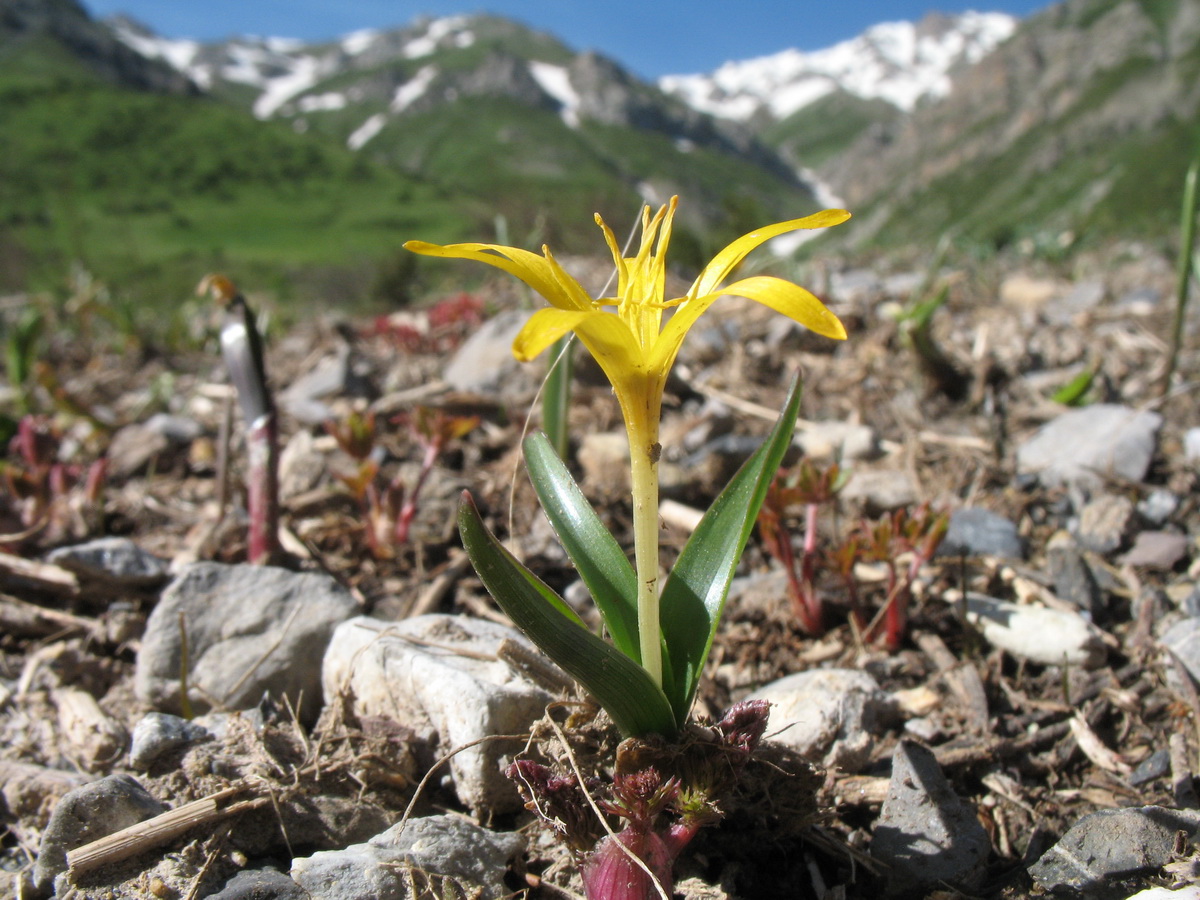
point(643, 456)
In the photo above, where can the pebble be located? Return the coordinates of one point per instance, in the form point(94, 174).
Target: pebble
point(1191, 445)
point(440, 676)
point(1072, 576)
point(925, 833)
point(446, 846)
point(113, 561)
point(1160, 550)
point(1189, 892)
point(1051, 637)
point(88, 813)
point(484, 364)
point(1112, 843)
point(1156, 765)
point(1158, 506)
point(1105, 523)
point(880, 490)
point(1081, 446)
point(830, 716)
point(604, 462)
point(260, 884)
point(974, 531)
point(332, 377)
point(250, 630)
point(837, 441)
point(1183, 639)
point(157, 734)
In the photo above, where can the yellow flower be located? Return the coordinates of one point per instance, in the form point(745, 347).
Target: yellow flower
point(636, 350)
point(632, 345)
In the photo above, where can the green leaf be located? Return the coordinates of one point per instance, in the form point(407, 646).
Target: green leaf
point(694, 597)
point(599, 559)
point(1072, 393)
point(620, 685)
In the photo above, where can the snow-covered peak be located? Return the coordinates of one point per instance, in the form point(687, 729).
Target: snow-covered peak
point(900, 62)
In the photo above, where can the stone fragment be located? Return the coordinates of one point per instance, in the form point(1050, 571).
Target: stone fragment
point(880, 490)
point(88, 813)
point(1113, 843)
point(1030, 292)
point(1188, 892)
point(1072, 576)
point(1157, 550)
point(1191, 445)
point(1156, 765)
point(1082, 446)
point(830, 716)
point(90, 736)
point(441, 847)
point(484, 364)
point(440, 676)
point(1105, 523)
point(974, 531)
point(927, 835)
point(250, 631)
point(157, 734)
point(1183, 639)
point(1158, 506)
point(837, 440)
point(1051, 637)
point(113, 561)
point(260, 884)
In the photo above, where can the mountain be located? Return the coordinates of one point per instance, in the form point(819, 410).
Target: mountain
point(33, 30)
point(901, 63)
point(1079, 126)
point(506, 116)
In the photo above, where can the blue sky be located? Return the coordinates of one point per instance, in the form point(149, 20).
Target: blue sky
point(651, 38)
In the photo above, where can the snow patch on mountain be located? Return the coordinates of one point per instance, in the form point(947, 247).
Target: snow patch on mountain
point(366, 131)
point(556, 81)
point(413, 89)
point(900, 62)
point(436, 32)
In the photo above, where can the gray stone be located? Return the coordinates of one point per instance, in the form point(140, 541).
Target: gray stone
point(1113, 843)
point(1082, 446)
point(445, 846)
point(440, 676)
point(484, 364)
point(250, 631)
point(880, 490)
point(157, 734)
point(830, 716)
point(113, 561)
point(176, 429)
point(332, 377)
point(980, 532)
point(925, 832)
point(1183, 639)
point(1189, 892)
point(1156, 765)
point(1105, 523)
point(1072, 576)
point(132, 448)
point(260, 884)
point(1051, 637)
point(88, 813)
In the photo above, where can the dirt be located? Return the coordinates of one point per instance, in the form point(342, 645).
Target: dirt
point(1017, 760)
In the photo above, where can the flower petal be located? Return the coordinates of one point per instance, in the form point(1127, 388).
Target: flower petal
point(724, 262)
point(790, 299)
point(544, 328)
point(543, 275)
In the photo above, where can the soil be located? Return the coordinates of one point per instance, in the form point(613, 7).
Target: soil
point(1006, 732)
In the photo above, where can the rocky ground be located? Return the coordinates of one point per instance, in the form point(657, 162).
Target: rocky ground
point(176, 723)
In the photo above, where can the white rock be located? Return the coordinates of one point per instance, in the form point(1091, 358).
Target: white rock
point(1050, 637)
point(439, 845)
point(440, 676)
point(830, 716)
point(837, 440)
point(1190, 892)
